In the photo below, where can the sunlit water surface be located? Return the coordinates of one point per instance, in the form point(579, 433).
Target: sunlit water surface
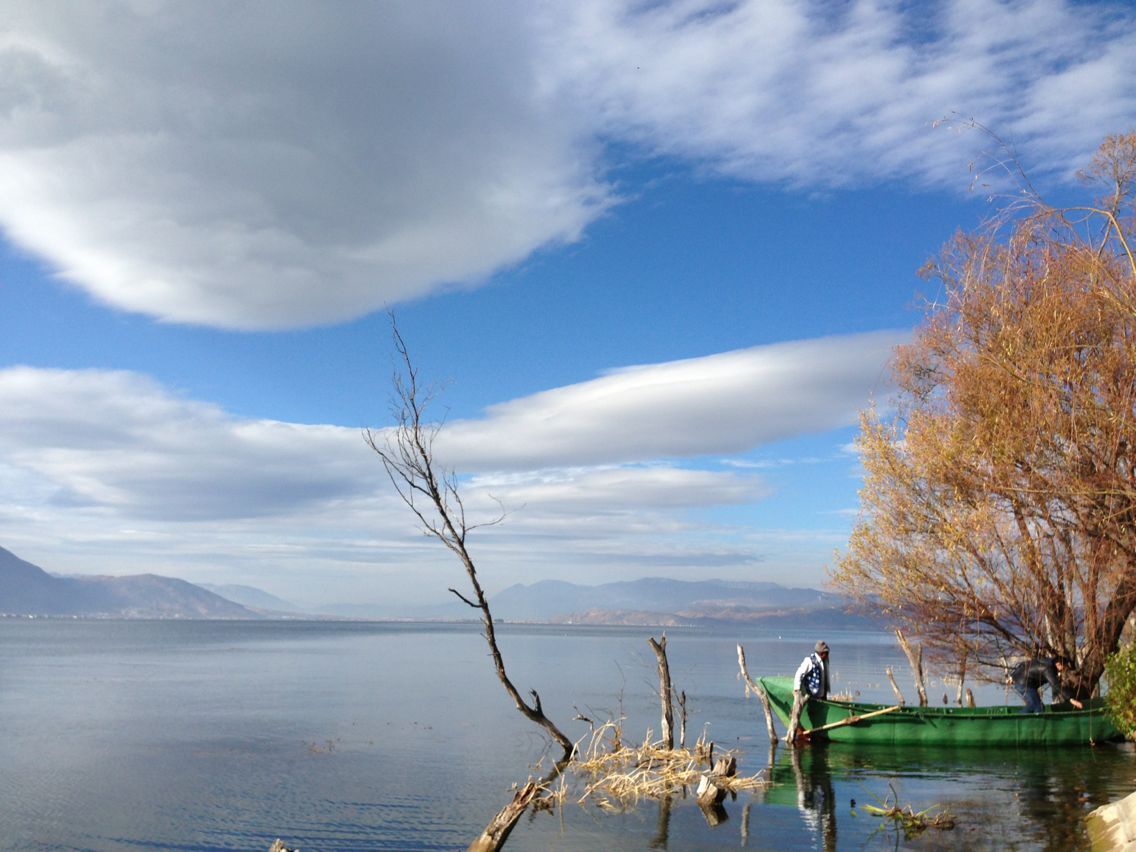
point(334, 736)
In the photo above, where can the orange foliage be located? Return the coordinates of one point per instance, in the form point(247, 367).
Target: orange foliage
point(998, 513)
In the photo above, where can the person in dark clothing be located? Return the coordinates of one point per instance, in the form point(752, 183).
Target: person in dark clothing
point(1029, 675)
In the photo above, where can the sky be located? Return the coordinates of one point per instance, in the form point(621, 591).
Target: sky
point(652, 257)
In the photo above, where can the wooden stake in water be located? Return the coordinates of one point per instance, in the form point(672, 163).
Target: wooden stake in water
point(915, 658)
point(752, 686)
point(665, 690)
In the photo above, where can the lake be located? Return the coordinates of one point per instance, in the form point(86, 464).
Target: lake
point(192, 735)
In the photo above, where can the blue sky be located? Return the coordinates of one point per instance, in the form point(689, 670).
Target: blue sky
point(656, 255)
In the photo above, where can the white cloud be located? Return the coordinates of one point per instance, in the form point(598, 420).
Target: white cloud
point(815, 95)
point(287, 163)
point(104, 471)
point(721, 403)
point(283, 163)
point(117, 442)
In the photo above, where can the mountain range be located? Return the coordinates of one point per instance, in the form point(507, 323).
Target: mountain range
point(26, 589)
point(659, 601)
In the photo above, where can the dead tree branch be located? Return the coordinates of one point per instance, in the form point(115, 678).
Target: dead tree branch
point(407, 454)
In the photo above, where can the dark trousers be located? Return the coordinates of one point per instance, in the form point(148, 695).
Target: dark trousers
point(1031, 697)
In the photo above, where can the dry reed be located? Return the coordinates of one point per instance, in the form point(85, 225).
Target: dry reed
point(617, 776)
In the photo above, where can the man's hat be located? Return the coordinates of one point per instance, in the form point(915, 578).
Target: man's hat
point(821, 648)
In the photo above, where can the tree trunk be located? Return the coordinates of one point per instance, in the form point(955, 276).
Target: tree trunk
point(915, 658)
point(682, 719)
point(751, 685)
point(894, 686)
point(497, 832)
point(962, 679)
point(660, 649)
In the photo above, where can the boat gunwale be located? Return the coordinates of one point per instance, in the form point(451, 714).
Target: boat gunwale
point(990, 712)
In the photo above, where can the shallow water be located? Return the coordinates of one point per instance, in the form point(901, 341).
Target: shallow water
point(226, 735)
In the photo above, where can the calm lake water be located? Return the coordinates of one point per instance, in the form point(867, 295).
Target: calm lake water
point(334, 736)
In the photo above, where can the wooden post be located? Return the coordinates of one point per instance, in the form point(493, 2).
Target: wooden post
point(497, 832)
point(962, 679)
point(751, 686)
point(915, 658)
point(660, 649)
point(682, 719)
point(894, 685)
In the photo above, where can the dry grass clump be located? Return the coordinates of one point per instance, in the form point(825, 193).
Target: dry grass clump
point(618, 776)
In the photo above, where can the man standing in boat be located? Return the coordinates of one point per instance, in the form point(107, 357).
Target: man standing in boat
point(1029, 675)
point(810, 681)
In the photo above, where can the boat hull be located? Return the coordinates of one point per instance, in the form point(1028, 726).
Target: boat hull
point(961, 726)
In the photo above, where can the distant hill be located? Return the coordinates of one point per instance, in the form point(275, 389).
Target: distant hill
point(657, 601)
point(831, 617)
point(651, 601)
point(26, 589)
point(251, 597)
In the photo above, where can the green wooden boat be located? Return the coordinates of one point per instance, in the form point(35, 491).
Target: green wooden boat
point(857, 722)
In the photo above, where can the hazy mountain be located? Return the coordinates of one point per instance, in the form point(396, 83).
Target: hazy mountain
point(829, 616)
point(251, 597)
point(724, 600)
point(649, 601)
point(653, 601)
point(26, 589)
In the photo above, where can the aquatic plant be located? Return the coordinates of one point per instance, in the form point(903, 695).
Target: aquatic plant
point(911, 822)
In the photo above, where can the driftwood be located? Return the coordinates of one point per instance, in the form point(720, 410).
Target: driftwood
point(665, 690)
point(894, 686)
point(497, 832)
point(711, 791)
point(915, 658)
point(751, 686)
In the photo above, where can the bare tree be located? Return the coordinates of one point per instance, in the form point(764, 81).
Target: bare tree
point(407, 453)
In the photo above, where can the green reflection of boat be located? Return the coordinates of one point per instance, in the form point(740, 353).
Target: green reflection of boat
point(963, 726)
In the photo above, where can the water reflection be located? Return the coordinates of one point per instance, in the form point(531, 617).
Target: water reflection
point(801, 777)
point(663, 826)
point(1035, 799)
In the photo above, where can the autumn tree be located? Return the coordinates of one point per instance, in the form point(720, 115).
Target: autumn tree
point(998, 513)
